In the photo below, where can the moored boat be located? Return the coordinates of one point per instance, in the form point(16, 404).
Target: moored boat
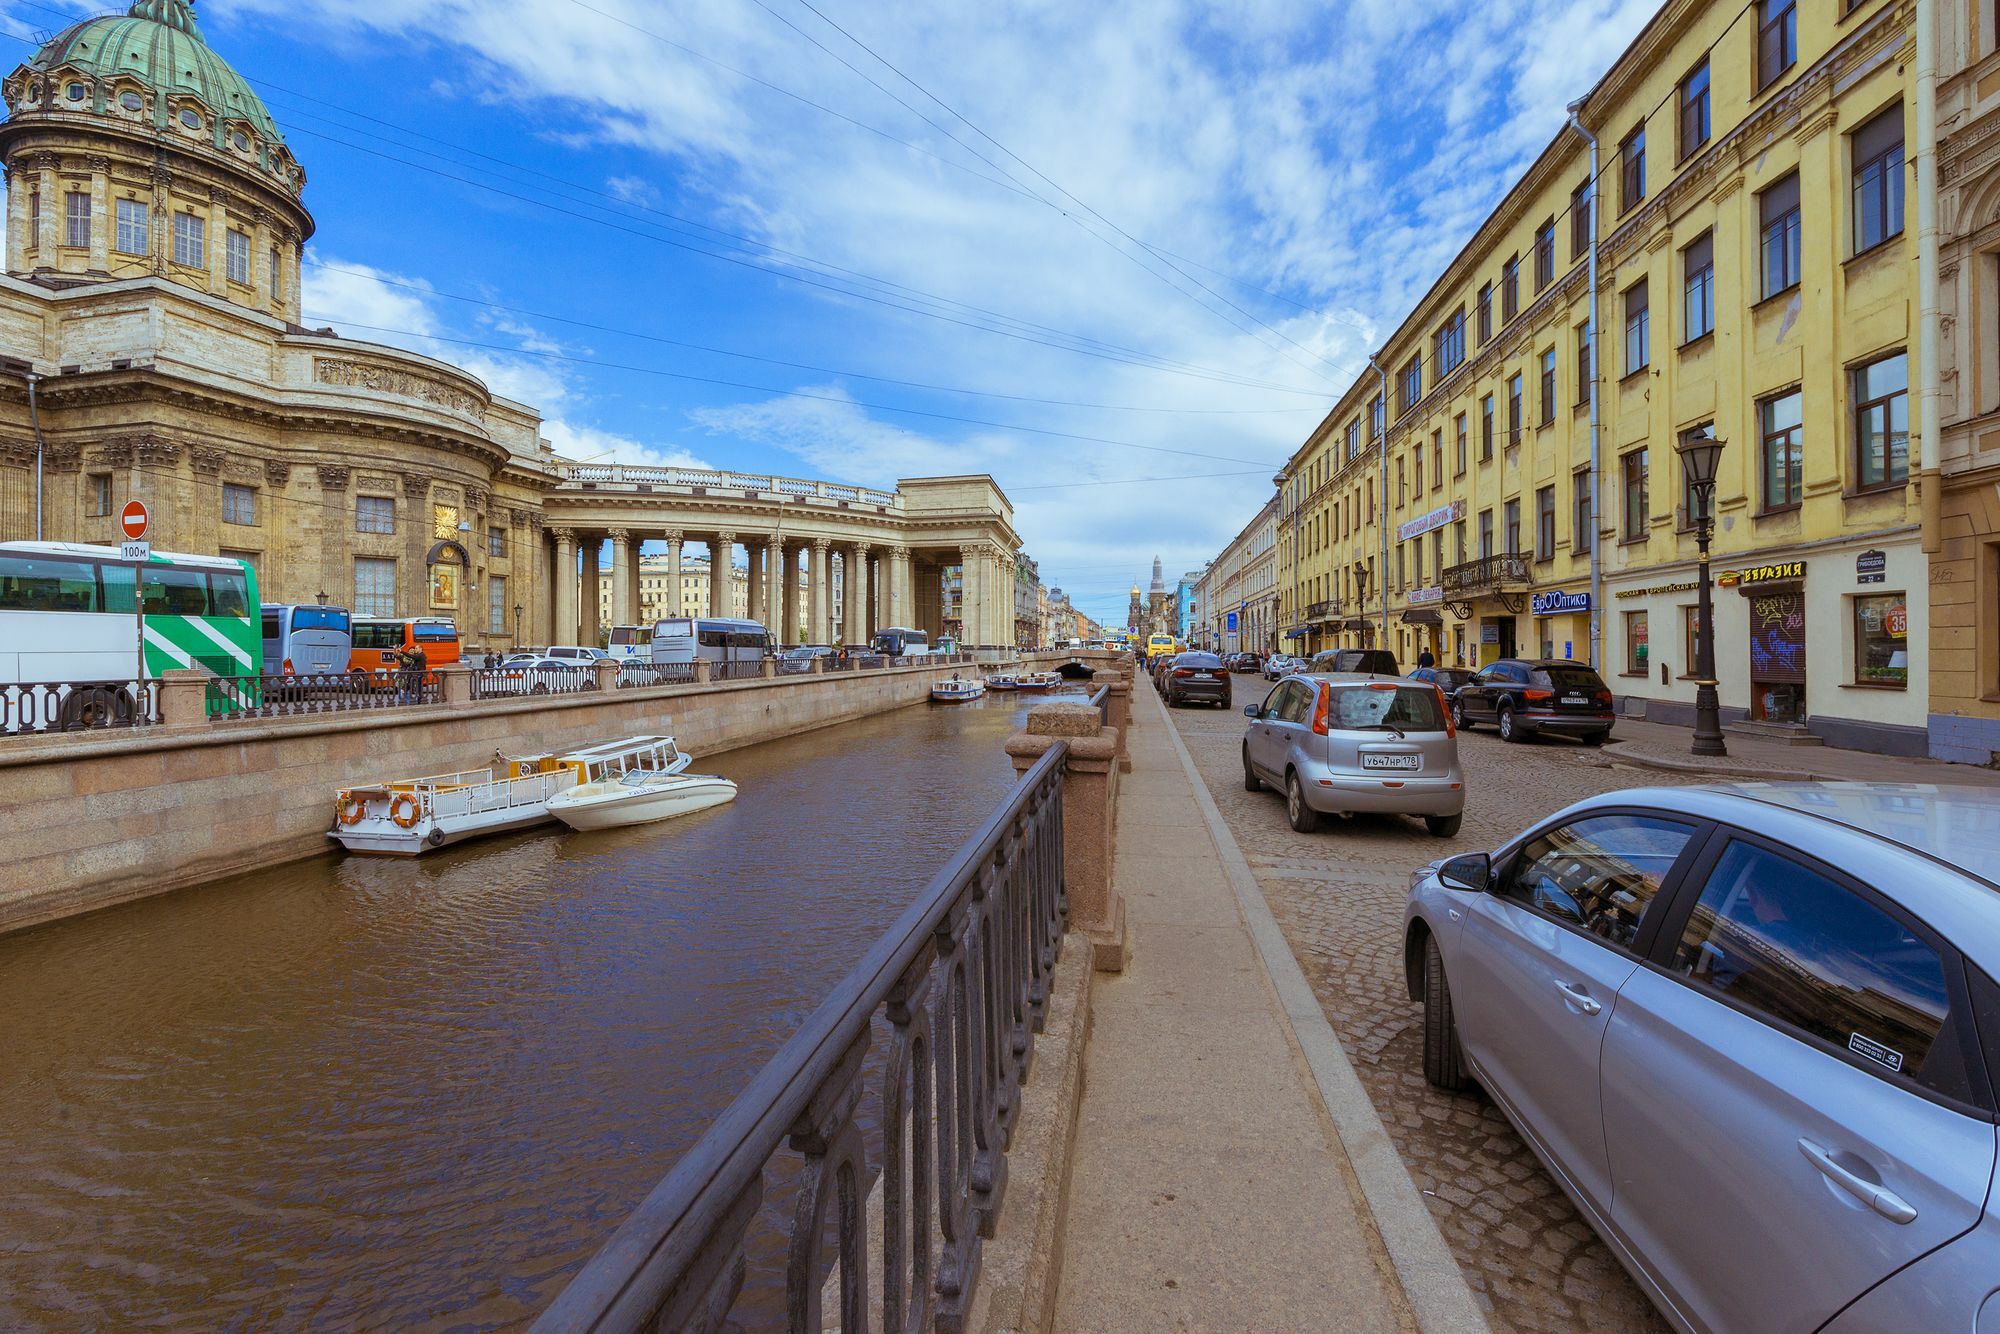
point(1002, 682)
point(411, 815)
point(957, 690)
point(633, 782)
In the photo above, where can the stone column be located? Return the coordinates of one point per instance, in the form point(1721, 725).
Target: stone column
point(18, 187)
point(592, 551)
point(674, 539)
point(721, 562)
point(793, 614)
point(564, 631)
point(623, 582)
point(753, 557)
point(819, 613)
point(262, 276)
point(971, 623)
point(855, 564)
point(49, 234)
point(101, 221)
point(1089, 802)
point(772, 613)
point(1008, 572)
point(217, 243)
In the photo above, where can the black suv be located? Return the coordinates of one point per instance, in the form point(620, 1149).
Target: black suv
point(1197, 676)
point(1523, 696)
point(1379, 661)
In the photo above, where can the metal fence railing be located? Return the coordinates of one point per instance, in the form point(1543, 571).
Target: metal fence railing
point(646, 674)
point(277, 695)
point(959, 986)
point(737, 671)
point(501, 682)
point(36, 708)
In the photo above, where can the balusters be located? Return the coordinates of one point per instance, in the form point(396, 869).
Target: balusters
point(909, 1123)
point(701, 1297)
point(835, 1171)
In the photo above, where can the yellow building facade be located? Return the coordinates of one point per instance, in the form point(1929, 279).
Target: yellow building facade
point(1754, 280)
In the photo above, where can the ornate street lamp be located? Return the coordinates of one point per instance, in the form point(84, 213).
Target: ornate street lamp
point(1700, 451)
point(321, 595)
point(517, 624)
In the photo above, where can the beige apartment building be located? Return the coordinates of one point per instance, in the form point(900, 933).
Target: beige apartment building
point(1236, 599)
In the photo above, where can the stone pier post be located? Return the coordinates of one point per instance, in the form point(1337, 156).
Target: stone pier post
point(1090, 798)
point(1118, 711)
point(454, 683)
point(183, 696)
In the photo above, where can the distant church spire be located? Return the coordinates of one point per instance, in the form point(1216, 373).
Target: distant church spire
point(1159, 577)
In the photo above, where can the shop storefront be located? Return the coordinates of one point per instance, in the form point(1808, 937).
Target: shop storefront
point(1562, 623)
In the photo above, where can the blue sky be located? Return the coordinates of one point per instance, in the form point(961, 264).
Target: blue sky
point(1211, 211)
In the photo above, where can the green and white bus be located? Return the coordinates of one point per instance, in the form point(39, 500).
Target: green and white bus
point(71, 651)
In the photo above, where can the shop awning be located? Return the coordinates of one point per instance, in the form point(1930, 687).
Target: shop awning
point(1355, 623)
point(1423, 616)
point(1299, 633)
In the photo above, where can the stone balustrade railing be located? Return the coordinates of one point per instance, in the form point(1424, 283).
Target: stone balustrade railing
point(594, 476)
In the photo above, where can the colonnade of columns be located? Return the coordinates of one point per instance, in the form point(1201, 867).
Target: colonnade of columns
point(986, 595)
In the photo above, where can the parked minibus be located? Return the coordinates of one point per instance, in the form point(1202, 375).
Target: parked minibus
point(304, 639)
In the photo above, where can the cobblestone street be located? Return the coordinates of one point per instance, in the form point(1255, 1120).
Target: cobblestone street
point(1339, 897)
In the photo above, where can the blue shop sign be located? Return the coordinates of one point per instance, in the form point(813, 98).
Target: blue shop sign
point(1556, 603)
point(1232, 622)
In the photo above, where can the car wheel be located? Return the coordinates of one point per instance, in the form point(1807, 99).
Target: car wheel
point(1596, 738)
point(1458, 718)
point(1251, 782)
point(1509, 729)
point(1444, 826)
point(1444, 1059)
point(1304, 818)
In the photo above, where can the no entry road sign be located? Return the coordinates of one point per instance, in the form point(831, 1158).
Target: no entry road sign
point(134, 520)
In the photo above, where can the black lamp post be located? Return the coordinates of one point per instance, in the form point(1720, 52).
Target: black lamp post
point(1700, 451)
point(321, 595)
point(517, 625)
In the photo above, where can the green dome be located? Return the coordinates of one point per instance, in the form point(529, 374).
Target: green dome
point(158, 44)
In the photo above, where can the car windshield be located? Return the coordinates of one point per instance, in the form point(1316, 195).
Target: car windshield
point(1197, 660)
point(1570, 678)
point(1364, 708)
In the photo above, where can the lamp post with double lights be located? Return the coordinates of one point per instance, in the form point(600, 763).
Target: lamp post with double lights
point(1700, 451)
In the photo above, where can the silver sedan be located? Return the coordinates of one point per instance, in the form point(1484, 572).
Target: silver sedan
point(1753, 1031)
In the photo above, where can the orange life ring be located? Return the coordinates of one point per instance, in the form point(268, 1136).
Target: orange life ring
point(352, 809)
point(404, 810)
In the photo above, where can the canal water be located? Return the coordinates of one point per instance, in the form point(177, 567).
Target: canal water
point(363, 1092)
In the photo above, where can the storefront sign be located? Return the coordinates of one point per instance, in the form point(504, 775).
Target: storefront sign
point(1231, 618)
point(1763, 574)
point(1557, 602)
point(1420, 597)
point(1437, 518)
point(1684, 587)
point(1489, 634)
point(1871, 567)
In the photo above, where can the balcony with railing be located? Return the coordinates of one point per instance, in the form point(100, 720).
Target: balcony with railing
point(1504, 575)
point(1323, 611)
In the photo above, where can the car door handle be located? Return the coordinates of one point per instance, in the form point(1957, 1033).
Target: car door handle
point(1578, 999)
point(1879, 1198)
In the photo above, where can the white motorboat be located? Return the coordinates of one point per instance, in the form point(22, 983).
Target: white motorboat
point(957, 690)
point(636, 782)
point(1003, 681)
point(412, 815)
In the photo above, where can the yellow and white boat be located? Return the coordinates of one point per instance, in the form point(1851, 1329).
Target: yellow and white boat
point(413, 815)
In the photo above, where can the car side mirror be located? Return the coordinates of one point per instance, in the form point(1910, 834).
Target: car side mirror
point(1472, 872)
point(1250, 710)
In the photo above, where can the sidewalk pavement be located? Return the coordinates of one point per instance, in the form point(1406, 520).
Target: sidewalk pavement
point(1210, 1186)
point(1661, 746)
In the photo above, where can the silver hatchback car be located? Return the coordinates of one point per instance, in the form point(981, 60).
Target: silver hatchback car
point(1754, 1033)
point(1338, 744)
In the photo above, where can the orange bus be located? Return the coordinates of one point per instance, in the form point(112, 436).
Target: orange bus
point(378, 639)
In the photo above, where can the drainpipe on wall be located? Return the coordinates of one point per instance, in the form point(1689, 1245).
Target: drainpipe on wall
point(1931, 398)
point(1596, 459)
point(1382, 443)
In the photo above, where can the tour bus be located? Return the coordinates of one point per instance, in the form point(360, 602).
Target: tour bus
point(632, 643)
point(378, 639)
point(67, 621)
point(901, 643)
point(307, 640)
point(679, 640)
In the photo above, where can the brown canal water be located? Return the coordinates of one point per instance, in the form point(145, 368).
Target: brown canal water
point(375, 1092)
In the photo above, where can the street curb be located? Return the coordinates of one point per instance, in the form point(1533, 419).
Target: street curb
point(1625, 753)
point(1434, 1285)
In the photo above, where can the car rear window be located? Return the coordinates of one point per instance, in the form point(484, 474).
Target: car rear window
point(1412, 708)
point(1569, 678)
point(1197, 660)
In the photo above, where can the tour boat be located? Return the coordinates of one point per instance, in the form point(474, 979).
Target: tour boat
point(413, 815)
point(957, 690)
point(1039, 681)
point(1002, 682)
point(636, 782)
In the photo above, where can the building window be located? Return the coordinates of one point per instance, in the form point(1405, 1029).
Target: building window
point(496, 604)
point(1458, 443)
point(1637, 662)
point(1780, 422)
point(1882, 423)
point(1548, 386)
point(239, 504)
point(1486, 428)
point(1437, 552)
point(374, 586)
point(1485, 534)
point(1512, 512)
point(1437, 459)
point(1777, 39)
point(1458, 535)
point(1545, 523)
point(1635, 495)
point(1377, 420)
point(1584, 534)
point(100, 493)
point(1402, 483)
point(190, 240)
point(35, 220)
point(1581, 201)
point(1878, 179)
point(496, 542)
point(1638, 328)
point(1691, 635)
point(236, 254)
point(1583, 367)
point(277, 277)
point(1402, 562)
point(1694, 110)
point(1881, 640)
point(1485, 312)
point(1450, 345)
point(1412, 386)
point(1510, 288)
point(1632, 169)
point(1698, 278)
point(135, 226)
point(374, 514)
point(76, 219)
point(1778, 208)
point(1353, 438)
point(1545, 254)
point(1417, 465)
point(1514, 409)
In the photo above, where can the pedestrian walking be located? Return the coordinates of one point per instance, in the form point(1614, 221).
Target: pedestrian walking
point(1424, 659)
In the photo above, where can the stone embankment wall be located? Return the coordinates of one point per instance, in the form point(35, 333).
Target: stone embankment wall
point(90, 820)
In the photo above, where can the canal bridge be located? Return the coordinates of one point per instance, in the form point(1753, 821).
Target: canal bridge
point(889, 549)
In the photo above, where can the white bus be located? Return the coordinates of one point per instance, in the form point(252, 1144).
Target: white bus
point(901, 642)
point(632, 643)
point(679, 640)
point(302, 639)
point(76, 651)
